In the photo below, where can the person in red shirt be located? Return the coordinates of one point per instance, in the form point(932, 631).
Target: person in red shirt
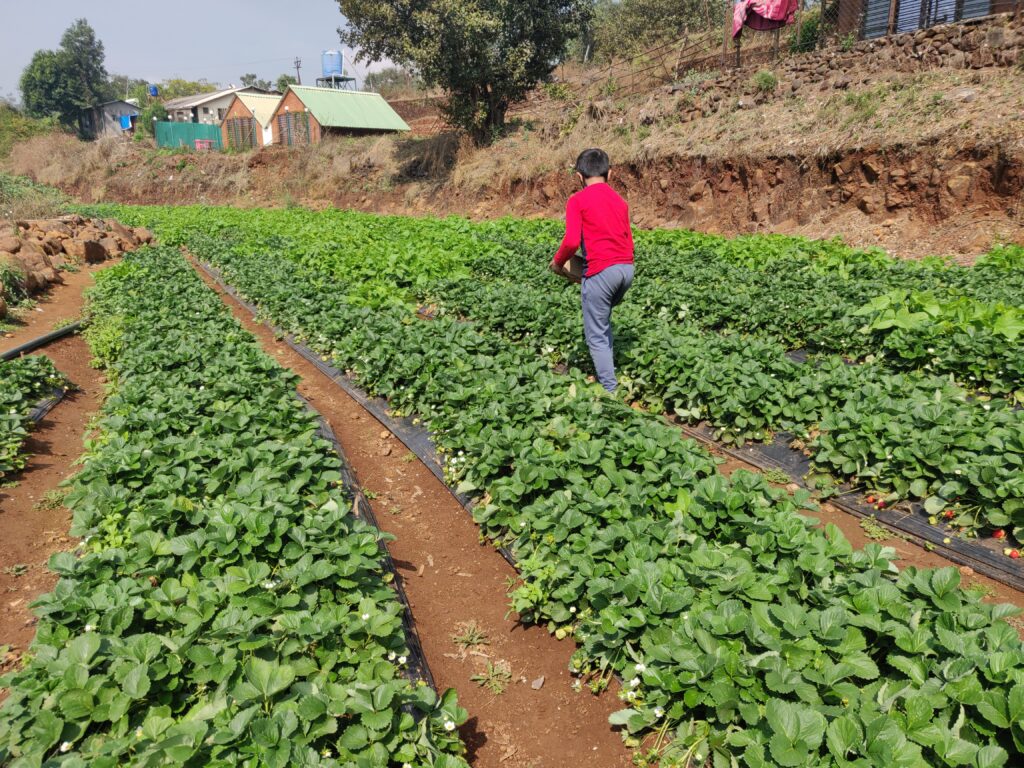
point(597, 223)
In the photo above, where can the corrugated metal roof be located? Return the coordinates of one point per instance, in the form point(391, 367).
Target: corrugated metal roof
point(262, 105)
point(187, 102)
point(333, 108)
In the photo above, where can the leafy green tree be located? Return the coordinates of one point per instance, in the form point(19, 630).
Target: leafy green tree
point(153, 112)
point(175, 88)
point(125, 87)
point(628, 27)
point(84, 57)
point(46, 90)
point(252, 81)
point(484, 54)
point(391, 79)
point(283, 81)
point(65, 82)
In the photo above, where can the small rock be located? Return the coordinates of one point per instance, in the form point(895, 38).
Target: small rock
point(538, 683)
point(385, 435)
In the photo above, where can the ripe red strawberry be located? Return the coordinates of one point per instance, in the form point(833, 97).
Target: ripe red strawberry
point(1015, 554)
point(949, 514)
point(871, 499)
point(880, 505)
point(999, 534)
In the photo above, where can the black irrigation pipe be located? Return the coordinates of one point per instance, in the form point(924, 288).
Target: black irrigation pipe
point(907, 522)
point(42, 341)
point(45, 406)
point(415, 437)
point(417, 668)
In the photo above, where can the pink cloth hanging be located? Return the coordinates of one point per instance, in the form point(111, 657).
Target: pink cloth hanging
point(762, 14)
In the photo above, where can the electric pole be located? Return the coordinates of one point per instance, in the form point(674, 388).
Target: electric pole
point(298, 68)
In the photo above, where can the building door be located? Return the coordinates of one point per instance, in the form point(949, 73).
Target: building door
point(293, 127)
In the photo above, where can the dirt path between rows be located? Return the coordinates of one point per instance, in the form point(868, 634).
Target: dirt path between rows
point(451, 580)
point(61, 304)
point(34, 524)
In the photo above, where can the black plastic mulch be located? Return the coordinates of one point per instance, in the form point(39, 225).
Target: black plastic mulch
point(907, 519)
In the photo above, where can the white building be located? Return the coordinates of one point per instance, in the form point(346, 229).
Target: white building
point(209, 108)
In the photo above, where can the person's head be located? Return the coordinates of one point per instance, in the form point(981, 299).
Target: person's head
point(593, 166)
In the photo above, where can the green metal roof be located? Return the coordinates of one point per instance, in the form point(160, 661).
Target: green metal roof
point(334, 108)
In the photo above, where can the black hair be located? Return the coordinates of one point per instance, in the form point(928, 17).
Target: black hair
point(592, 163)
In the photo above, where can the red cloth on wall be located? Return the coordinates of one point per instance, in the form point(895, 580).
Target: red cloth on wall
point(762, 14)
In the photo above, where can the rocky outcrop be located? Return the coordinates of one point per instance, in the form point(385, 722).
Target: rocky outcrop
point(37, 250)
point(991, 42)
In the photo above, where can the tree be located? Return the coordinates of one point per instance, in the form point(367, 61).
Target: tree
point(390, 79)
point(251, 81)
point(283, 81)
point(65, 82)
point(155, 111)
point(125, 87)
point(84, 55)
point(484, 54)
point(46, 90)
point(175, 88)
point(628, 27)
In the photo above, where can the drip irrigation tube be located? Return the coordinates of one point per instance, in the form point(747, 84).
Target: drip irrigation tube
point(417, 669)
point(415, 437)
point(907, 521)
point(42, 341)
point(45, 406)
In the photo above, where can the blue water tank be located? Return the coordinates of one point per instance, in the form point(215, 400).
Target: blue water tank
point(333, 63)
point(153, 91)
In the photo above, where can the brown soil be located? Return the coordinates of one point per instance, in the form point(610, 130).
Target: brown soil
point(61, 304)
point(33, 527)
point(451, 579)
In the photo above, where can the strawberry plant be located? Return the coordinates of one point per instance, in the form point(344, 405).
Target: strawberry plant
point(742, 631)
point(24, 383)
point(225, 606)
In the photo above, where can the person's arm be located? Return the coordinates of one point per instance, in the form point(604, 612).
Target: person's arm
point(573, 235)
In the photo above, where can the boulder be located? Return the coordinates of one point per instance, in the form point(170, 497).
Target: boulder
point(94, 251)
point(10, 244)
point(75, 249)
point(959, 187)
point(112, 246)
point(122, 232)
point(143, 235)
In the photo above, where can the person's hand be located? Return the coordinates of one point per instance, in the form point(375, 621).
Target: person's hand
point(553, 266)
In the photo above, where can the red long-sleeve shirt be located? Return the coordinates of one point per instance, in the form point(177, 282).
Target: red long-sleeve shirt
point(597, 219)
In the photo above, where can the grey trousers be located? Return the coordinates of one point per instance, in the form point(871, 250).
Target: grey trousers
point(600, 294)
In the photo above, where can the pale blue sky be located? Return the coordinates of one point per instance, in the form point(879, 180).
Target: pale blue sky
point(219, 40)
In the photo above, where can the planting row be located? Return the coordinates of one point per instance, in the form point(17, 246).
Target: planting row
point(907, 435)
point(225, 607)
point(705, 331)
point(24, 383)
point(819, 295)
point(743, 632)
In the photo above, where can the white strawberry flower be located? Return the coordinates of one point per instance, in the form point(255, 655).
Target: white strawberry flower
point(65, 746)
point(641, 668)
point(635, 682)
point(987, 407)
point(138, 732)
point(326, 753)
point(572, 609)
point(449, 725)
point(659, 713)
point(401, 660)
point(392, 656)
point(366, 617)
point(88, 628)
